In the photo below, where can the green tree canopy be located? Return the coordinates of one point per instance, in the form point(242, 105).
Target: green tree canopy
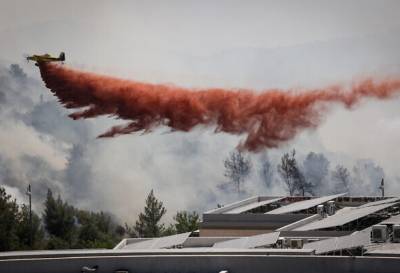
point(67, 227)
point(15, 225)
point(59, 218)
point(24, 229)
point(97, 230)
point(148, 223)
point(186, 222)
point(8, 222)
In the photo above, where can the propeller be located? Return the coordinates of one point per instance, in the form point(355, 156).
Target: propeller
point(26, 55)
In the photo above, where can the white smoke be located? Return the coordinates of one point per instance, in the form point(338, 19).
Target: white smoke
point(43, 147)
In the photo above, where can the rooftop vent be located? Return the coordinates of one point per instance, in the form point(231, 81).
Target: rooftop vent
point(296, 243)
point(379, 234)
point(331, 208)
point(396, 234)
point(320, 210)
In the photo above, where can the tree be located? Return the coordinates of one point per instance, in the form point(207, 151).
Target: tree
point(55, 242)
point(120, 230)
point(90, 236)
point(24, 229)
point(341, 177)
point(59, 218)
point(301, 183)
point(97, 230)
point(366, 177)
point(316, 168)
point(266, 171)
point(292, 175)
point(286, 170)
point(148, 223)
point(169, 230)
point(8, 222)
point(66, 226)
point(237, 168)
point(89, 232)
point(130, 231)
point(15, 225)
point(103, 221)
point(186, 221)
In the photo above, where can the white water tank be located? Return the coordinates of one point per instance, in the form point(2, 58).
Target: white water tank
point(379, 234)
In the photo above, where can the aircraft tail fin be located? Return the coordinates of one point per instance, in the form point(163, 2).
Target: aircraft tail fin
point(62, 56)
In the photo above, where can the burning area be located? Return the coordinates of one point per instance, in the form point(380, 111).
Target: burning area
point(266, 119)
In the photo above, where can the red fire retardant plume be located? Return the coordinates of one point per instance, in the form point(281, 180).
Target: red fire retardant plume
point(267, 119)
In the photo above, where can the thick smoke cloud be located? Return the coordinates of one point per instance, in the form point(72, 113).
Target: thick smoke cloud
point(41, 146)
point(268, 119)
point(37, 141)
point(44, 148)
point(366, 178)
point(316, 170)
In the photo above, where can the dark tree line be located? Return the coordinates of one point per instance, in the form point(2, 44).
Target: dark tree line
point(15, 225)
point(62, 226)
point(341, 176)
point(312, 176)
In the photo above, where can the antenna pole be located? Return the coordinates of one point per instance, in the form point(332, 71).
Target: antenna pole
point(29, 193)
point(382, 187)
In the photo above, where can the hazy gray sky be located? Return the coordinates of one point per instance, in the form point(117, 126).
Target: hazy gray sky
point(253, 44)
point(150, 37)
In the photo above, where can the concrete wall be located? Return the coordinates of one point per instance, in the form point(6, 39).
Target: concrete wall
point(206, 264)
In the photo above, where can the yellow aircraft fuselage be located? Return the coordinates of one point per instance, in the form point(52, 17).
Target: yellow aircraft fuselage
point(45, 58)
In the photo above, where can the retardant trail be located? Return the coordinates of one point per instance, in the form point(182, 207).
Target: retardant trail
point(267, 119)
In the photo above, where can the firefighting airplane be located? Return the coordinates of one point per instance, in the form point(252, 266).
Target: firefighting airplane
point(45, 58)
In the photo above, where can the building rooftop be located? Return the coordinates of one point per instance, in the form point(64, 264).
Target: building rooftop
point(271, 225)
point(341, 223)
point(304, 205)
point(344, 216)
point(281, 224)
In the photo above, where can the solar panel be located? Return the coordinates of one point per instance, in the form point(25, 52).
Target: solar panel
point(162, 242)
point(250, 242)
point(246, 204)
point(385, 201)
point(253, 205)
point(231, 206)
point(341, 218)
point(394, 220)
point(356, 239)
point(302, 205)
point(387, 249)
